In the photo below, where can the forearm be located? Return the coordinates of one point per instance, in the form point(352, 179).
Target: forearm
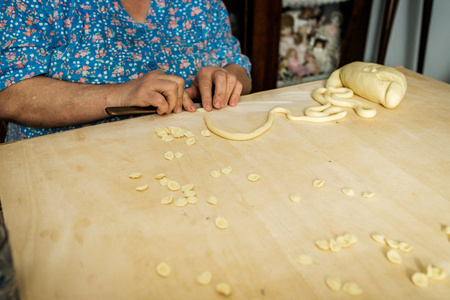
point(241, 75)
point(44, 102)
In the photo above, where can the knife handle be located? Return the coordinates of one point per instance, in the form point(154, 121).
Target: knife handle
point(129, 110)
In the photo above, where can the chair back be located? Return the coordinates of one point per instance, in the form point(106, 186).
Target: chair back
point(3, 129)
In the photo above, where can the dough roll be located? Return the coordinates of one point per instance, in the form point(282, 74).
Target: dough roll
point(377, 83)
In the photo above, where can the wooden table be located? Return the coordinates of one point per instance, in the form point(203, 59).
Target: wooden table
point(80, 230)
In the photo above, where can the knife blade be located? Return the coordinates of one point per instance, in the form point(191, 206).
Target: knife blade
point(129, 110)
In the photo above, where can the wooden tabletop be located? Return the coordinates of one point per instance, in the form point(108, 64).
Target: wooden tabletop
point(80, 230)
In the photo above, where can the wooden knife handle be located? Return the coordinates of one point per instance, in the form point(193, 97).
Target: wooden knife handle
point(129, 110)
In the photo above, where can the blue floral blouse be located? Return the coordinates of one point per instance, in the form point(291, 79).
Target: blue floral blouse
point(97, 41)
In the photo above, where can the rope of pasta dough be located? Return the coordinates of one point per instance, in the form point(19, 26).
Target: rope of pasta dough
point(335, 97)
point(315, 114)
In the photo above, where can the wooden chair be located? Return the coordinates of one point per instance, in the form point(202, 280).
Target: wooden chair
point(354, 41)
point(388, 20)
point(258, 30)
point(3, 129)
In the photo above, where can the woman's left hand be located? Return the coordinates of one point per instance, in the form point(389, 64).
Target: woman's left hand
point(223, 82)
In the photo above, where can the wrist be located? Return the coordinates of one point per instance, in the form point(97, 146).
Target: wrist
point(242, 76)
point(114, 95)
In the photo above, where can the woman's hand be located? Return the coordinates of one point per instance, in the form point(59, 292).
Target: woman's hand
point(166, 92)
point(218, 87)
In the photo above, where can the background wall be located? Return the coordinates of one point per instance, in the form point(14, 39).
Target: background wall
point(403, 48)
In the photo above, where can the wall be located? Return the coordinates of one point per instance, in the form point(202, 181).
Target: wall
point(403, 48)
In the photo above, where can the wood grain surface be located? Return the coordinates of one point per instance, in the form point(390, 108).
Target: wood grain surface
point(80, 230)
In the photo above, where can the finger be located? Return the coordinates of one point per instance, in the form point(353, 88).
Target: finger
point(180, 91)
point(170, 91)
point(236, 94)
point(220, 88)
point(205, 87)
point(188, 104)
point(231, 85)
point(160, 102)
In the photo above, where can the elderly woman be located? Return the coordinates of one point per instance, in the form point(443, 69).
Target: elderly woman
point(64, 61)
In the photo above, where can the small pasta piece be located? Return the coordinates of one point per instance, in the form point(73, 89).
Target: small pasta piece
point(173, 185)
point(162, 133)
point(188, 134)
point(253, 177)
point(158, 129)
point(223, 288)
point(142, 188)
point(294, 197)
point(221, 223)
point(190, 141)
point(167, 138)
point(164, 181)
point(163, 269)
point(160, 176)
point(446, 230)
point(367, 194)
point(318, 183)
point(438, 274)
point(212, 200)
point(189, 193)
point(323, 244)
point(405, 247)
point(166, 200)
point(205, 132)
point(204, 278)
point(179, 154)
point(215, 173)
point(429, 271)
point(226, 170)
point(393, 244)
point(334, 246)
point(341, 240)
point(352, 288)
point(135, 175)
point(435, 273)
point(177, 132)
point(351, 238)
point(201, 109)
point(192, 200)
point(187, 187)
point(348, 191)
point(304, 259)
point(180, 202)
point(333, 283)
point(394, 257)
point(420, 279)
point(169, 155)
point(379, 238)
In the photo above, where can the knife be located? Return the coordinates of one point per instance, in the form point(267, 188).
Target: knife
point(129, 110)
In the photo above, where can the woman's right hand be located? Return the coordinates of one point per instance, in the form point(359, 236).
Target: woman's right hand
point(45, 102)
point(165, 92)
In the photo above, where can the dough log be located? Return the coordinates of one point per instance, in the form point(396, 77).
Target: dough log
point(377, 83)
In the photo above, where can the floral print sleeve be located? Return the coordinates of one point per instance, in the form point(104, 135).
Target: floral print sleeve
point(26, 41)
point(97, 42)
